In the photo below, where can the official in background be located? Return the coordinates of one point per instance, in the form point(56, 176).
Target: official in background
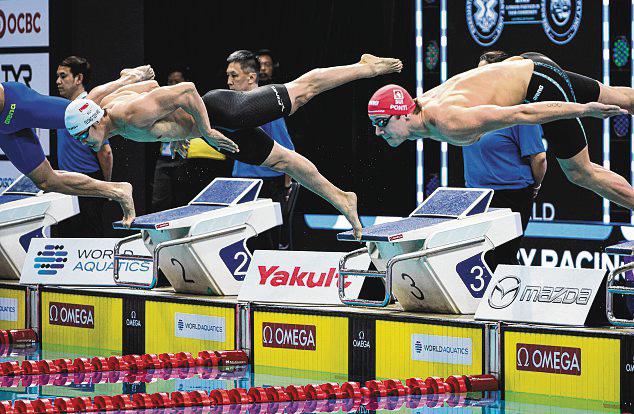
point(243, 70)
point(73, 75)
point(511, 161)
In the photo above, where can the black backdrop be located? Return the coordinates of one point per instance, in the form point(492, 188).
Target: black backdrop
point(110, 35)
point(333, 129)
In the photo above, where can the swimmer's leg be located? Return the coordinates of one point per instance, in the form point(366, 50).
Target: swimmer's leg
point(617, 95)
point(589, 90)
point(31, 109)
point(307, 86)
point(78, 184)
point(305, 172)
point(584, 173)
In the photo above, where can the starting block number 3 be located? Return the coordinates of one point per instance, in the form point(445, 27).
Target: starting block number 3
point(474, 274)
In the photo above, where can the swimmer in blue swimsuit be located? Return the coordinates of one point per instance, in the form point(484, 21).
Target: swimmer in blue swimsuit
point(22, 109)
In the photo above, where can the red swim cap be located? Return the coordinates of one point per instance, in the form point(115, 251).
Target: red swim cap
point(391, 100)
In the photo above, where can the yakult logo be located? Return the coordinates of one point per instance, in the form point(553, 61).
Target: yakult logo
point(282, 335)
point(550, 359)
point(274, 276)
point(71, 314)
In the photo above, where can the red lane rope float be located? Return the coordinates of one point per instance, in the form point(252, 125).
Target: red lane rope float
point(376, 394)
point(20, 337)
point(28, 378)
point(129, 363)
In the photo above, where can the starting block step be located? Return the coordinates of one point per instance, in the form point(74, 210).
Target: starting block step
point(625, 248)
point(455, 202)
point(23, 186)
point(229, 192)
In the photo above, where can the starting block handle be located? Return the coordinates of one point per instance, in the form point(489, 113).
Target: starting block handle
point(135, 257)
point(612, 290)
point(387, 275)
point(344, 272)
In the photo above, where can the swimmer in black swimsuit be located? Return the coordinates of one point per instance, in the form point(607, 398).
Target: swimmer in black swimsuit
point(527, 89)
point(146, 112)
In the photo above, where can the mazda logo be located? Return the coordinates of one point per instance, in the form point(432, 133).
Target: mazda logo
point(504, 292)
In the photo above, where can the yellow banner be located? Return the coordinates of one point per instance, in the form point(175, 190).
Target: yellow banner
point(562, 365)
point(80, 325)
point(405, 349)
point(300, 342)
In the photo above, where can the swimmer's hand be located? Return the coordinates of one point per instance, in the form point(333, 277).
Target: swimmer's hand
point(217, 140)
point(179, 147)
point(599, 110)
point(140, 73)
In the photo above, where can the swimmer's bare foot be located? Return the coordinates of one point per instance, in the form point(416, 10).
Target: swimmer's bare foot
point(381, 66)
point(123, 195)
point(140, 73)
point(349, 210)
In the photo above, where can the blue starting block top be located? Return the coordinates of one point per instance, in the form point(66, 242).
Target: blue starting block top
point(220, 193)
point(21, 188)
point(154, 220)
point(389, 231)
point(455, 202)
point(625, 248)
point(229, 191)
point(24, 186)
point(444, 204)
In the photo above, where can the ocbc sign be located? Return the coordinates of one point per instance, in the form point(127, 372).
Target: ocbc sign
point(24, 22)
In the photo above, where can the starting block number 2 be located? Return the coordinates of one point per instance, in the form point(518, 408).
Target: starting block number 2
point(474, 274)
point(237, 259)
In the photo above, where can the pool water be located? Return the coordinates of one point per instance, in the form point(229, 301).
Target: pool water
point(32, 387)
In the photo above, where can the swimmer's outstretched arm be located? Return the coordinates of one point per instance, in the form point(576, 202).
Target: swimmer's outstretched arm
point(160, 102)
point(78, 184)
point(459, 121)
point(128, 77)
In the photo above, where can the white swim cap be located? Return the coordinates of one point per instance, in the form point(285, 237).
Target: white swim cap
point(81, 114)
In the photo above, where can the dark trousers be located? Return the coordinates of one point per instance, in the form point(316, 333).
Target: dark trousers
point(273, 188)
point(89, 222)
point(169, 180)
point(520, 201)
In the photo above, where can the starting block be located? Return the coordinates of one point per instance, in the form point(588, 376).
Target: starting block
point(617, 282)
point(201, 247)
point(25, 213)
point(433, 260)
